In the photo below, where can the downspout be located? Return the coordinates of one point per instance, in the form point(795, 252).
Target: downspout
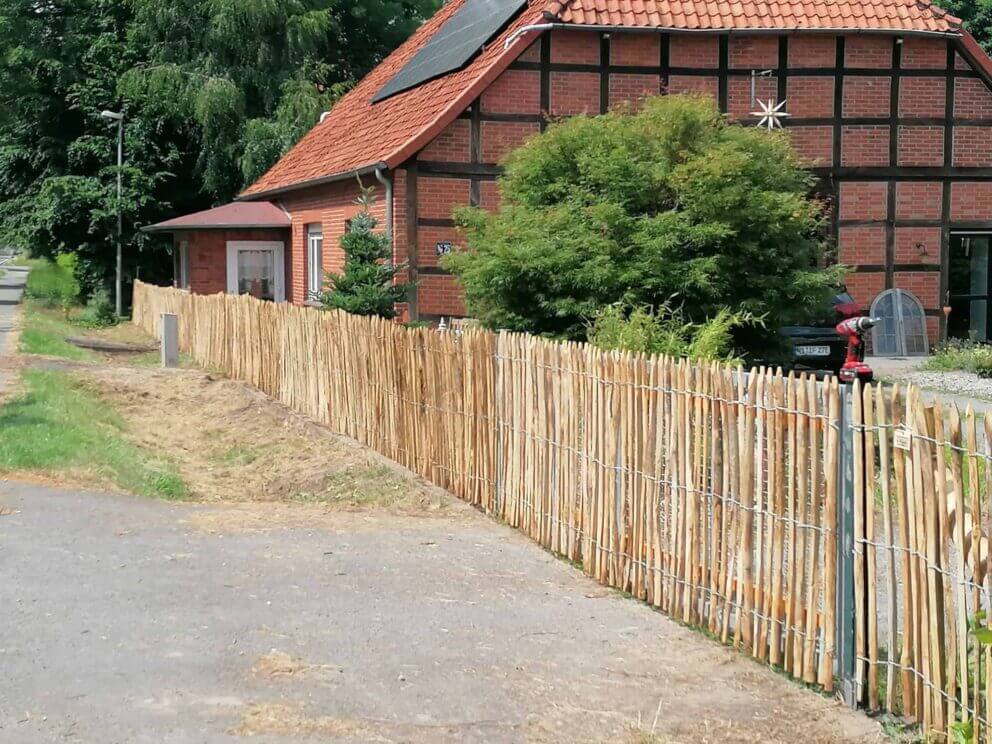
point(388, 183)
point(380, 176)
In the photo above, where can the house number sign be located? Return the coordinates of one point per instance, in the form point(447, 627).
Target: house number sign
point(442, 247)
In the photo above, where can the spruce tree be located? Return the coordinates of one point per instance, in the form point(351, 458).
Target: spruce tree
point(368, 285)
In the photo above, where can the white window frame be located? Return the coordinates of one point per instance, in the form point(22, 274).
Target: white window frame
point(899, 296)
point(277, 248)
point(315, 259)
point(182, 249)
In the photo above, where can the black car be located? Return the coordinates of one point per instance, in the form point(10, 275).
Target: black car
point(818, 347)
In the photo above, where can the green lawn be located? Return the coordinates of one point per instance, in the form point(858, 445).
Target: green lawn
point(57, 425)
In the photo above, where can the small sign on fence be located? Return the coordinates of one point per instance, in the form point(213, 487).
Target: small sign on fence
point(902, 439)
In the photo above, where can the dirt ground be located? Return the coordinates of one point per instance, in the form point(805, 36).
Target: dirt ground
point(232, 443)
point(317, 593)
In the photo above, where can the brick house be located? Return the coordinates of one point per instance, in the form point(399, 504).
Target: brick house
point(888, 101)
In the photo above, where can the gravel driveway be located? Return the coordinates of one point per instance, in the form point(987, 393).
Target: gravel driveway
point(128, 620)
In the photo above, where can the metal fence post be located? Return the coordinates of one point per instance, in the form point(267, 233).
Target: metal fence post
point(846, 661)
point(498, 400)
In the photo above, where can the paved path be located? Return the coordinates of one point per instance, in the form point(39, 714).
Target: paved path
point(130, 620)
point(897, 368)
point(11, 289)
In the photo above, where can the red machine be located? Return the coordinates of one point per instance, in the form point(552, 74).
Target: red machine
point(854, 366)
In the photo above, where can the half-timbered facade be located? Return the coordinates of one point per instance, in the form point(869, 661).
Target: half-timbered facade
point(888, 101)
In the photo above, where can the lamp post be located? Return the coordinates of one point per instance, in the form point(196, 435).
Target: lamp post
point(119, 118)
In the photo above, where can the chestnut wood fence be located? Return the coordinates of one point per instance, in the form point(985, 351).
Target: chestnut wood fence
point(836, 533)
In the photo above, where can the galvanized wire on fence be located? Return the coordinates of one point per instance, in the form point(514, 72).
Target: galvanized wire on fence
point(921, 559)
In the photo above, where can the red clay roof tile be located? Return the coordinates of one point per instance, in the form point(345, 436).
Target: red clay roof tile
point(236, 214)
point(873, 15)
point(358, 135)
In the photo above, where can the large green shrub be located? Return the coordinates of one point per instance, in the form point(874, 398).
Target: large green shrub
point(671, 204)
point(643, 330)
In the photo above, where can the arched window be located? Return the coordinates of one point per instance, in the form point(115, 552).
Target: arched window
point(902, 330)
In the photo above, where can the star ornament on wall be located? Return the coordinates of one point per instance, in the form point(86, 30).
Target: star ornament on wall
point(771, 114)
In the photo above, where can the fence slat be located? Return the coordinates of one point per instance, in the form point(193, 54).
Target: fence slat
point(708, 491)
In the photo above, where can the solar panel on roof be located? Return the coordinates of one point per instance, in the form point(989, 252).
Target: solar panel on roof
point(458, 40)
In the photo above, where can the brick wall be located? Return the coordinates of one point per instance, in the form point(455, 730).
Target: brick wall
point(918, 200)
point(868, 51)
point(921, 145)
point(500, 137)
point(330, 206)
point(922, 96)
point(810, 96)
point(864, 144)
point(452, 145)
point(686, 50)
point(812, 50)
point(866, 95)
point(208, 255)
point(514, 92)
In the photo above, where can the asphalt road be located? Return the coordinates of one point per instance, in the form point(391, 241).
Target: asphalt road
point(126, 620)
point(11, 289)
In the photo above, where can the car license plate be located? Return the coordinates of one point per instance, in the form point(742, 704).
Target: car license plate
point(812, 351)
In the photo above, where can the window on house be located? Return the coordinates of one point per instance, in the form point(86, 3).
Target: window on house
point(181, 264)
point(315, 257)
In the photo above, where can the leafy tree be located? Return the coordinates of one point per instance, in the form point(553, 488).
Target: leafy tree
point(368, 285)
point(57, 155)
point(247, 101)
point(214, 91)
point(668, 205)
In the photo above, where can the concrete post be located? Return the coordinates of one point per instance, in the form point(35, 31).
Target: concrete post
point(170, 340)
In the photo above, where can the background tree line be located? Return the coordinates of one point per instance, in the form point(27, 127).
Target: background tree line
point(214, 92)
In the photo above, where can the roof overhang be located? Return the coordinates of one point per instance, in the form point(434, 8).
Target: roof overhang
point(364, 170)
point(187, 228)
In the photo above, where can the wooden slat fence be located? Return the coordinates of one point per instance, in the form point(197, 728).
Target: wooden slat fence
point(707, 492)
point(922, 559)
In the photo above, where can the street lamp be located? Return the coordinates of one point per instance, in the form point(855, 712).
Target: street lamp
point(119, 118)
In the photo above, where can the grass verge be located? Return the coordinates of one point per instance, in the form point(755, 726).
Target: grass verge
point(46, 328)
point(58, 426)
point(45, 331)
